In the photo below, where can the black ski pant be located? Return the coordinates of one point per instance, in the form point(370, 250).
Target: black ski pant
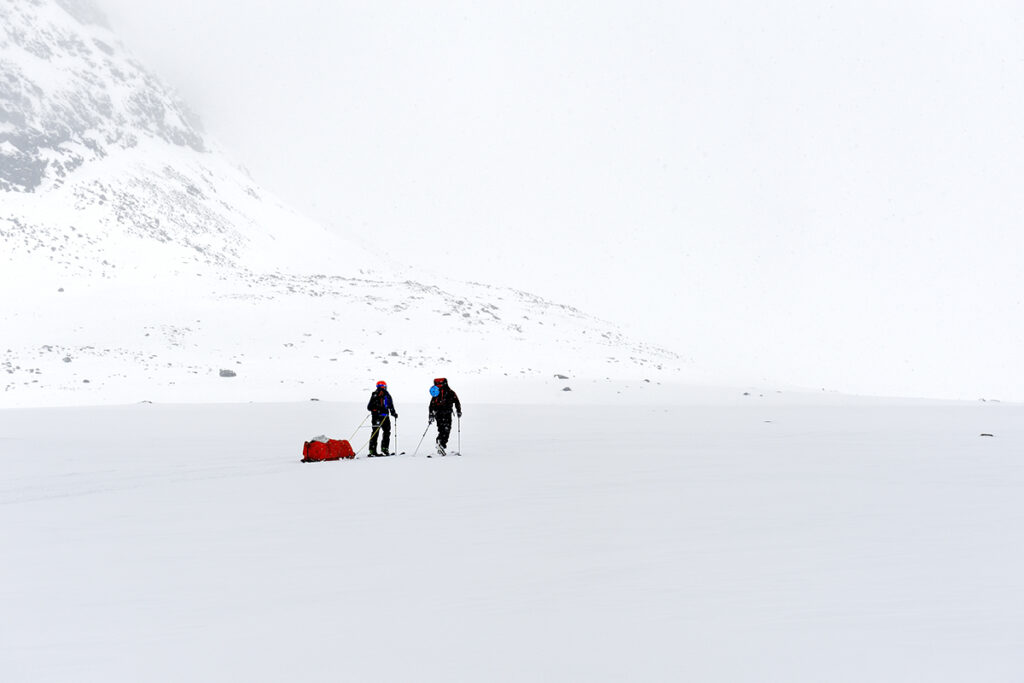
point(384, 424)
point(444, 429)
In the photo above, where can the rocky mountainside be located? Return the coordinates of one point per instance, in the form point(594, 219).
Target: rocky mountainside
point(98, 160)
point(70, 95)
point(136, 261)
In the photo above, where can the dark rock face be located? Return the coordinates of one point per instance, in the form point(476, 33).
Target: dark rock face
point(21, 171)
point(69, 93)
point(72, 98)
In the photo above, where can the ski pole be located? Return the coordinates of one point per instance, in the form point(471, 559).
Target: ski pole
point(397, 449)
point(459, 419)
point(386, 417)
point(359, 427)
point(421, 439)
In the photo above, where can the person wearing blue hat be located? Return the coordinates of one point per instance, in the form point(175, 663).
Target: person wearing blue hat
point(443, 399)
point(380, 405)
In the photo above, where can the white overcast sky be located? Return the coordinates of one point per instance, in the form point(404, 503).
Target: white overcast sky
point(816, 194)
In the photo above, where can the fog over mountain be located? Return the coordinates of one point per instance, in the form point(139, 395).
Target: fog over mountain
point(141, 263)
point(815, 195)
point(822, 199)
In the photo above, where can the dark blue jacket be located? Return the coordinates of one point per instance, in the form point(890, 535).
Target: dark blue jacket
point(381, 403)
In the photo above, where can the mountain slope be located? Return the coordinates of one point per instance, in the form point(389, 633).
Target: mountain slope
point(139, 262)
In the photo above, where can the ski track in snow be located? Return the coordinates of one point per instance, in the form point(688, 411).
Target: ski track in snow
point(790, 540)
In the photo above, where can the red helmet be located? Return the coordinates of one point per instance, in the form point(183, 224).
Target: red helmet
point(382, 384)
point(439, 381)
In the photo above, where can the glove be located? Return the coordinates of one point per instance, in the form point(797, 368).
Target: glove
point(459, 413)
point(430, 420)
point(394, 415)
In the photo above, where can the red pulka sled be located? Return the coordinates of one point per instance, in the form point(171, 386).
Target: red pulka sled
point(334, 449)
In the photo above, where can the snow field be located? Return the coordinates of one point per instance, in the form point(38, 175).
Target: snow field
point(843, 541)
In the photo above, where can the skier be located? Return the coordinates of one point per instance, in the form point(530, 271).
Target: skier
point(440, 409)
point(380, 405)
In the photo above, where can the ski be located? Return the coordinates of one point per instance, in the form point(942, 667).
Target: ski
point(442, 454)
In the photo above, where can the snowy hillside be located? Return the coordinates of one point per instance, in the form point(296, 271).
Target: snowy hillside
point(139, 263)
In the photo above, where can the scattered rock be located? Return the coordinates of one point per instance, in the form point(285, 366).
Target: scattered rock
point(567, 389)
point(228, 373)
point(985, 434)
point(561, 376)
point(60, 289)
point(66, 359)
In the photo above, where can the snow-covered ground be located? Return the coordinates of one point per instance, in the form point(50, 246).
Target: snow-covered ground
point(709, 536)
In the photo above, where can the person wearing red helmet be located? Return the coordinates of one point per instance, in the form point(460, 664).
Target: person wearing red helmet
point(380, 405)
point(440, 409)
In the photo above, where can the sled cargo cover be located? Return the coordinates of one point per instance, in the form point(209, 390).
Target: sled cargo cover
point(332, 449)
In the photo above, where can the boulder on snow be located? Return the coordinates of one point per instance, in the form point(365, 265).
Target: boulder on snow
point(228, 373)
